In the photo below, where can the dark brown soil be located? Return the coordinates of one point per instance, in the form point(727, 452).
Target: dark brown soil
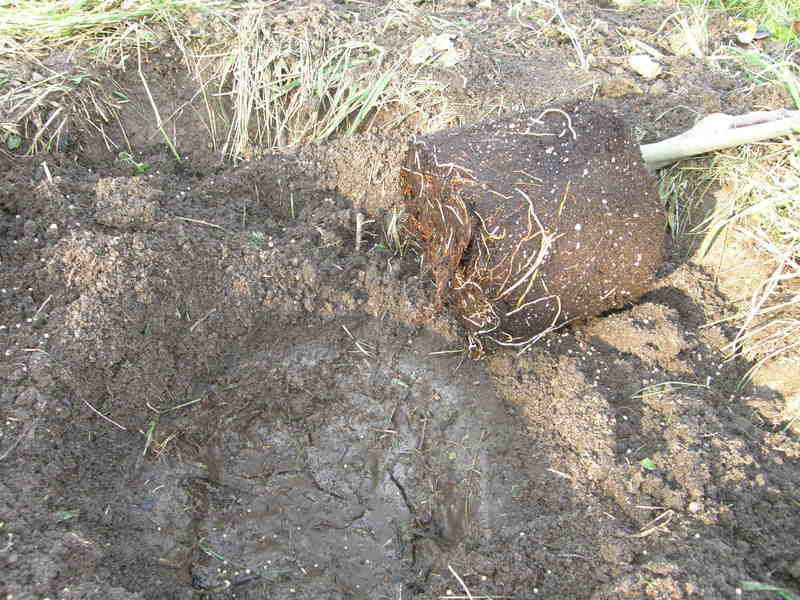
point(207, 391)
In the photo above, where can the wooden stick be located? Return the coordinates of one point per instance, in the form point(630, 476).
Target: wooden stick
point(719, 131)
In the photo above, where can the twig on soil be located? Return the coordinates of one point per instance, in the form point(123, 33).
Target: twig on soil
point(560, 474)
point(201, 222)
point(572, 555)
point(99, 414)
point(201, 319)
point(36, 314)
point(46, 170)
point(361, 347)
point(183, 405)
point(655, 525)
point(461, 581)
point(665, 387)
point(159, 123)
point(392, 431)
point(360, 222)
point(16, 442)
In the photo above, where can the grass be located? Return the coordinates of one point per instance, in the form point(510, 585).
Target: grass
point(264, 87)
point(755, 586)
point(762, 203)
point(680, 190)
point(778, 16)
point(290, 90)
point(658, 390)
point(523, 11)
point(41, 26)
point(692, 19)
point(43, 101)
point(763, 206)
point(763, 69)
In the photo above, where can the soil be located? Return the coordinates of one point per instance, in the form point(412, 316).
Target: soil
point(209, 392)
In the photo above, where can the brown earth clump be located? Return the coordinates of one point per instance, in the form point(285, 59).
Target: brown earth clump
point(535, 220)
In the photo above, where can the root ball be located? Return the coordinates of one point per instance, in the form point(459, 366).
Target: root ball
point(533, 221)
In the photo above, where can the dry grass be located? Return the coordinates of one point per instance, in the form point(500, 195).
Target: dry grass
point(692, 20)
point(37, 28)
point(765, 209)
point(49, 87)
point(680, 190)
point(288, 90)
point(333, 79)
point(523, 11)
point(763, 203)
point(763, 206)
point(268, 82)
point(44, 110)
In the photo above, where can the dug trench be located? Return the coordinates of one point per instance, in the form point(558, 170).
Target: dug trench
point(209, 392)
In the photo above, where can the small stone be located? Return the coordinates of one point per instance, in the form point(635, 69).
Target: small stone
point(794, 569)
point(644, 66)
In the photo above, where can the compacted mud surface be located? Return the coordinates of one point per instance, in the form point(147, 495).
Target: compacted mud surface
point(209, 392)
